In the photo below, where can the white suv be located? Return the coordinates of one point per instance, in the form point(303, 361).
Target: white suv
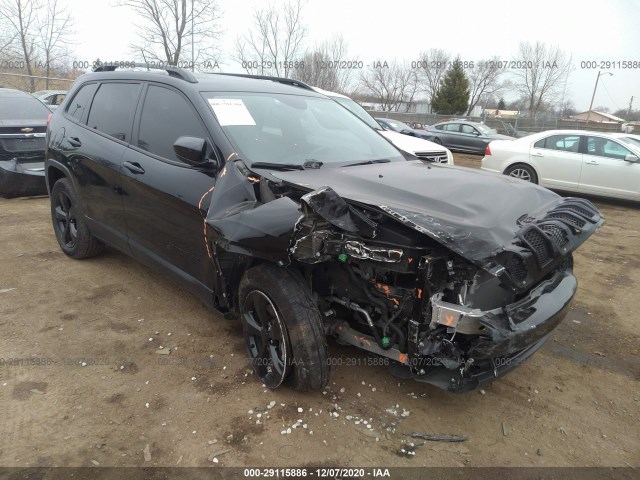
point(422, 149)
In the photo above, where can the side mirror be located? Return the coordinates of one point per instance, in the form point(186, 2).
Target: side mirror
point(476, 133)
point(631, 158)
point(405, 131)
point(191, 150)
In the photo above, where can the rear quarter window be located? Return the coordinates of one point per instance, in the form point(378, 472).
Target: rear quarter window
point(80, 103)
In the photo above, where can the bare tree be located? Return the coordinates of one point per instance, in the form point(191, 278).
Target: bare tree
point(328, 66)
point(431, 67)
point(20, 17)
point(167, 28)
point(274, 44)
point(544, 71)
point(53, 36)
point(392, 85)
point(484, 81)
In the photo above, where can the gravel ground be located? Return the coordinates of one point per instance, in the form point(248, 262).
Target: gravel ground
point(96, 387)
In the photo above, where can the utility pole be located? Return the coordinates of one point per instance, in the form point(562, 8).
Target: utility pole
point(594, 93)
point(630, 103)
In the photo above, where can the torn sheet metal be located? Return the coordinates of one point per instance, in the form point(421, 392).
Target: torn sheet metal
point(483, 220)
point(243, 224)
point(330, 206)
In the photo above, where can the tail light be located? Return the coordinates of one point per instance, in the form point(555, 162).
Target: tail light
point(487, 151)
point(49, 118)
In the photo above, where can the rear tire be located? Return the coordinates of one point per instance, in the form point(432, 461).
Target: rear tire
point(437, 140)
point(69, 223)
point(523, 172)
point(283, 329)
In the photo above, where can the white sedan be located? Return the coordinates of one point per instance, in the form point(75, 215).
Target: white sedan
point(605, 164)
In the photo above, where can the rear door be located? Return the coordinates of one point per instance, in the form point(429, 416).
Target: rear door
point(451, 135)
point(605, 171)
point(558, 161)
point(94, 142)
point(162, 194)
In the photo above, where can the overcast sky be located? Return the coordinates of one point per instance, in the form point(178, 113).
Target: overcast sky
point(604, 30)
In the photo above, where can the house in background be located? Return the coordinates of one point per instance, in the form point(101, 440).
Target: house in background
point(599, 117)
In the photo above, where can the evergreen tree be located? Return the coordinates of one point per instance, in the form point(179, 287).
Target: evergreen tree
point(453, 95)
point(502, 104)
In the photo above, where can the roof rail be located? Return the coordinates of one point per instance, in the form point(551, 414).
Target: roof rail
point(175, 72)
point(285, 81)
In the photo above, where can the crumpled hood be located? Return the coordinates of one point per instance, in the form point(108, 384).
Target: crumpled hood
point(472, 212)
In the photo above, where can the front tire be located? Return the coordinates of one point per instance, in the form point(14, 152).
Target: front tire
point(283, 330)
point(523, 172)
point(69, 223)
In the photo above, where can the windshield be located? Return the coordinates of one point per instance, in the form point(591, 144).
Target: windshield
point(396, 125)
point(357, 110)
point(285, 129)
point(634, 142)
point(27, 108)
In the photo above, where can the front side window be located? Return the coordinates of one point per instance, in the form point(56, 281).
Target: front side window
point(279, 128)
point(468, 129)
point(452, 127)
point(113, 108)
point(603, 147)
point(166, 116)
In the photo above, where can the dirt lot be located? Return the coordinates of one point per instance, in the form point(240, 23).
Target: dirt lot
point(102, 392)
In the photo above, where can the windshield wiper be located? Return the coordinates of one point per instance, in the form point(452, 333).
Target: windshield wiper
point(277, 166)
point(367, 162)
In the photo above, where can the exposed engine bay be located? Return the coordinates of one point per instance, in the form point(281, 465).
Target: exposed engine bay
point(450, 304)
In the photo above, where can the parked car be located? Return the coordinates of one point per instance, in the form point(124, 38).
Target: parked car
point(464, 136)
point(51, 98)
point(605, 164)
point(275, 205)
point(414, 145)
point(23, 125)
point(389, 124)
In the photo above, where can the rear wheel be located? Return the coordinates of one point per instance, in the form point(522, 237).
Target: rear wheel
point(523, 172)
point(437, 140)
point(69, 224)
point(282, 330)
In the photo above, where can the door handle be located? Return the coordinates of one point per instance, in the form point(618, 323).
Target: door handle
point(74, 141)
point(133, 167)
point(592, 162)
point(536, 154)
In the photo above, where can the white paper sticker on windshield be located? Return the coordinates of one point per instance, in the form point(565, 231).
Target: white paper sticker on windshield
point(231, 111)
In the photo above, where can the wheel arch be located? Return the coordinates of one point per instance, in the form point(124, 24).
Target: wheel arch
point(525, 164)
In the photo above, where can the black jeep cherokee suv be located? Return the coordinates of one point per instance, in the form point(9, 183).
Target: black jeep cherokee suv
point(274, 204)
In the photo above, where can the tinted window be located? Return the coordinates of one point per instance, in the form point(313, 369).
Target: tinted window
point(113, 109)
point(604, 147)
point(166, 116)
point(22, 108)
point(80, 102)
point(564, 143)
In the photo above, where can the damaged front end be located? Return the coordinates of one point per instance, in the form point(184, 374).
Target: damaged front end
point(443, 318)
point(448, 300)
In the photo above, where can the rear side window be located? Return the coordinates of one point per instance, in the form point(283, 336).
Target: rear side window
point(113, 109)
point(166, 116)
point(80, 102)
point(564, 143)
